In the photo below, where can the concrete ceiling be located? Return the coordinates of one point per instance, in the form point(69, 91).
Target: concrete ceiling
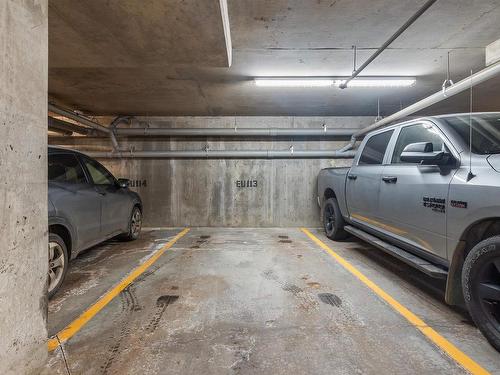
point(157, 57)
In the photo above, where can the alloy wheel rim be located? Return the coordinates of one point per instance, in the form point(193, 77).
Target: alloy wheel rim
point(136, 223)
point(330, 218)
point(56, 265)
point(488, 290)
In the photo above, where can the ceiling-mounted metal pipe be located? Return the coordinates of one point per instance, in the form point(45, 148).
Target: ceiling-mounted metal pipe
point(114, 124)
point(55, 123)
point(63, 132)
point(224, 154)
point(234, 132)
point(78, 118)
point(457, 88)
point(407, 24)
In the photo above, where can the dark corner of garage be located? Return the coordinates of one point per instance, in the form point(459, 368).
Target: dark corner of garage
point(249, 187)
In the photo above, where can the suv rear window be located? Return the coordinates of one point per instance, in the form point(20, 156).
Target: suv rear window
point(65, 168)
point(374, 150)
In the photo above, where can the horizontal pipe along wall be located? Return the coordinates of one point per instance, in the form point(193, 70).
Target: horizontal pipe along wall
point(225, 192)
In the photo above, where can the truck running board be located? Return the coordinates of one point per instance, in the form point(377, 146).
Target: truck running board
point(414, 261)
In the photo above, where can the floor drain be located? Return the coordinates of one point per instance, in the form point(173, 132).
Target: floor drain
point(204, 237)
point(283, 236)
point(194, 247)
point(286, 241)
point(330, 299)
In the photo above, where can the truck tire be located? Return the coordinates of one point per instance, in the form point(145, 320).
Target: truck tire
point(58, 264)
point(333, 222)
point(481, 287)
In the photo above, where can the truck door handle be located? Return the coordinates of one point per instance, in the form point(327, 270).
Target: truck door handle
point(390, 179)
point(352, 176)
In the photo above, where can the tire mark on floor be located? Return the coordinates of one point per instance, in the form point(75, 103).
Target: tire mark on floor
point(161, 305)
point(330, 299)
point(115, 349)
point(307, 300)
point(129, 304)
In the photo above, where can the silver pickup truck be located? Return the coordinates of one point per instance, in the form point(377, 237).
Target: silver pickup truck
point(426, 193)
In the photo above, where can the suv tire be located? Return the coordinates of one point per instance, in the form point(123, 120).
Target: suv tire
point(58, 263)
point(333, 222)
point(134, 225)
point(481, 287)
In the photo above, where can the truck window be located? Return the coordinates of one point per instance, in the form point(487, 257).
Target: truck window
point(415, 134)
point(485, 131)
point(374, 150)
point(65, 168)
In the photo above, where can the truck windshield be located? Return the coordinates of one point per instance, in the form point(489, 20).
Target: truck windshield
point(485, 131)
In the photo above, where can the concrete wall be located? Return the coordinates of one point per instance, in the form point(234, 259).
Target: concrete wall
point(206, 192)
point(23, 187)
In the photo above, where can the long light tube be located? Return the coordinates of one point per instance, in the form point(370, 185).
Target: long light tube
point(366, 82)
point(294, 82)
point(379, 82)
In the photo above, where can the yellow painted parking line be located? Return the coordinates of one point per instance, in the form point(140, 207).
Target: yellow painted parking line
point(451, 350)
point(72, 328)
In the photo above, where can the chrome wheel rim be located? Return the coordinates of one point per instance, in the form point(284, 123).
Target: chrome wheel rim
point(135, 225)
point(56, 265)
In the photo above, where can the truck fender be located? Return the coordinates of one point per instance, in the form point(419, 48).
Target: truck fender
point(453, 294)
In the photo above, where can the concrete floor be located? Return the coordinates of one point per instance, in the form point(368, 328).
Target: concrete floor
point(254, 301)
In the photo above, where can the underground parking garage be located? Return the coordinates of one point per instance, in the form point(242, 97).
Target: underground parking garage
point(250, 187)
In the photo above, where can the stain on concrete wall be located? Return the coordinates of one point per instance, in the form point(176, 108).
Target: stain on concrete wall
point(234, 192)
point(23, 189)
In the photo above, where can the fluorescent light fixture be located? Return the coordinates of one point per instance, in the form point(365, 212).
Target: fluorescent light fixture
point(379, 82)
point(334, 81)
point(294, 82)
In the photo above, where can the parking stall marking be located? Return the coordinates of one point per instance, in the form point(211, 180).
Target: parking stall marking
point(71, 329)
point(447, 347)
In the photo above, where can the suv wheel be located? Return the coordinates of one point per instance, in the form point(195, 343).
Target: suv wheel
point(134, 225)
point(481, 287)
point(333, 222)
point(58, 263)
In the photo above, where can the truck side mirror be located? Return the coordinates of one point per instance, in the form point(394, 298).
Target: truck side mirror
point(423, 153)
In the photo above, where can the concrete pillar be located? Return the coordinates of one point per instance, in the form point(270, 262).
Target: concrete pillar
point(23, 185)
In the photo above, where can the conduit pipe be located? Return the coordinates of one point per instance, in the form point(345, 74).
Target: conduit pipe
point(61, 131)
point(234, 132)
point(78, 118)
point(402, 29)
point(457, 88)
point(112, 134)
point(56, 124)
point(224, 154)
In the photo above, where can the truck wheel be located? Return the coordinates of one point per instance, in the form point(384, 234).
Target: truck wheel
point(333, 222)
point(58, 263)
point(134, 225)
point(481, 287)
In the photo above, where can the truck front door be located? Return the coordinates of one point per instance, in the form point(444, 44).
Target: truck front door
point(363, 180)
point(413, 197)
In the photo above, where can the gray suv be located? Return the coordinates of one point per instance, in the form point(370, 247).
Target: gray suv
point(427, 191)
point(87, 205)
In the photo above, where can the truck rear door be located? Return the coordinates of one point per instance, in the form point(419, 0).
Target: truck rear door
point(364, 180)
